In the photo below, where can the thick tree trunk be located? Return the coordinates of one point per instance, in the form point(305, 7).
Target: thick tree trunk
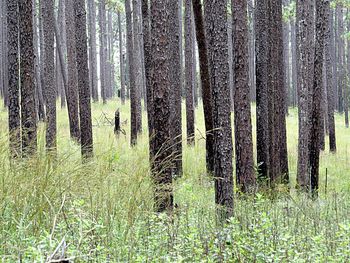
point(13, 77)
point(28, 112)
point(83, 79)
point(161, 87)
point(304, 50)
point(245, 174)
point(205, 82)
point(216, 29)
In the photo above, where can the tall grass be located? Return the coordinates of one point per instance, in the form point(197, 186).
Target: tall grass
point(102, 211)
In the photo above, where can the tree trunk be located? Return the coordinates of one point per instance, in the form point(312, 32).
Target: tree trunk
point(205, 81)
point(189, 73)
point(103, 47)
point(49, 73)
point(14, 118)
point(92, 48)
point(316, 126)
point(245, 175)
point(175, 87)
point(216, 29)
point(161, 87)
point(72, 84)
point(83, 79)
point(28, 112)
point(121, 57)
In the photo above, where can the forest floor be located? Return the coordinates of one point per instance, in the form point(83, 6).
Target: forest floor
point(102, 211)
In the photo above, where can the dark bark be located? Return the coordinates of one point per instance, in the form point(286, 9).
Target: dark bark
point(304, 47)
point(189, 53)
point(49, 73)
point(175, 87)
point(83, 79)
point(136, 91)
point(28, 112)
point(148, 64)
point(72, 82)
point(262, 109)
point(14, 118)
point(161, 86)
point(245, 175)
point(93, 50)
point(205, 82)
point(216, 30)
point(117, 122)
point(317, 125)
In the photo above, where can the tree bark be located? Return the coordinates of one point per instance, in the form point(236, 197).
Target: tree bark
point(245, 176)
point(189, 73)
point(121, 57)
point(205, 81)
point(216, 30)
point(92, 48)
point(28, 112)
point(161, 88)
point(83, 79)
point(14, 117)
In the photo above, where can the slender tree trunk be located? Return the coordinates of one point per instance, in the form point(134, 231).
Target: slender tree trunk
point(189, 73)
point(175, 87)
point(103, 47)
point(245, 176)
point(14, 118)
point(137, 91)
point(83, 79)
point(294, 64)
point(262, 109)
point(72, 84)
point(28, 112)
point(49, 73)
point(121, 57)
point(216, 29)
point(93, 48)
point(321, 26)
point(205, 81)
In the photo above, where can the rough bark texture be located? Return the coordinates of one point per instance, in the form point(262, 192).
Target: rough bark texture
point(245, 176)
point(189, 53)
point(161, 87)
point(262, 109)
point(131, 72)
point(148, 66)
point(329, 54)
point(216, 29)
point(49, 73)
point(13, 78)
point(83, 79)
point(317, 125)
point(92, 48)
point(136, 116)
point(175, 87)
point(28, 112)
point(205, 82)
point(72, 84)
point(304, 11)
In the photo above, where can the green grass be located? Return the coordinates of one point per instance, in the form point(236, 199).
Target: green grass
point(102, 211)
